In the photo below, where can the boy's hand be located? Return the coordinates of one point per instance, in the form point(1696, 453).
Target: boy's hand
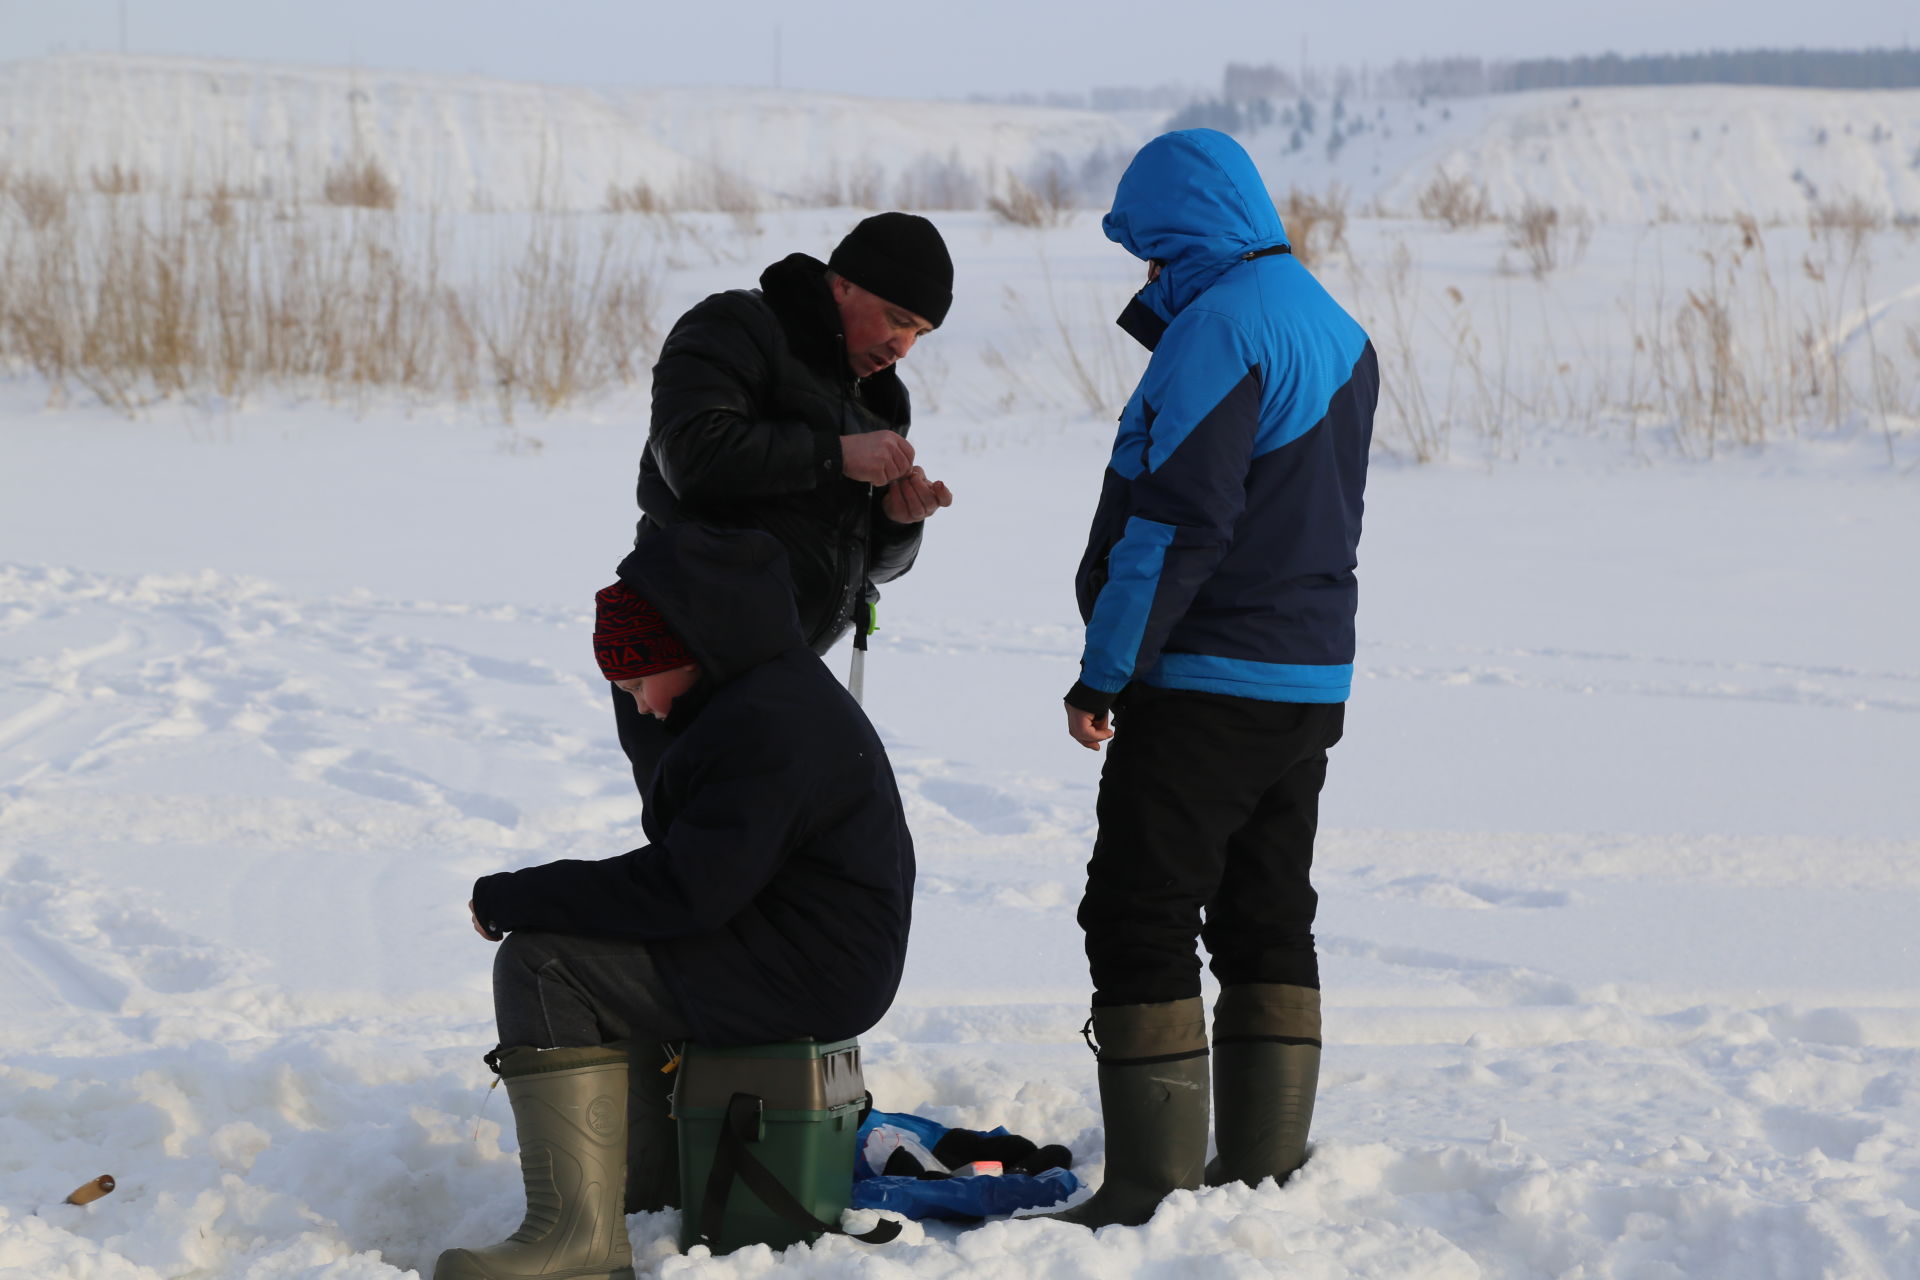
point(1087, 729)
point(480, 928)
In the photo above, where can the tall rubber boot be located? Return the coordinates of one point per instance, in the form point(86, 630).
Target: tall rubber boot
point(1153, 1100)
point(1266, 1067)
point(653, 1138)
point(570, 1108)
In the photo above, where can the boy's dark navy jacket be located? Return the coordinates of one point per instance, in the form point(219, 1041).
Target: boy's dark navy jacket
point(1224, 545)
point(777, 884)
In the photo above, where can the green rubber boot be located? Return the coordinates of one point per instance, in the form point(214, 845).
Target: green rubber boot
point(570, 1108)
point(653, 1139)
point(1153, 1099)
point(1266, 1065)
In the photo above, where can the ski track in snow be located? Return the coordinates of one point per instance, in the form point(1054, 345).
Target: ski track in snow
point(1478, 1117)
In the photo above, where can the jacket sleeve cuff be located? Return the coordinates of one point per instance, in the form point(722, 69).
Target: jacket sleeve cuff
point(1085, 697)
point(489, 899)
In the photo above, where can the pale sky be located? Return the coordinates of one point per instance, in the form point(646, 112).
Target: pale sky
point(924, 49)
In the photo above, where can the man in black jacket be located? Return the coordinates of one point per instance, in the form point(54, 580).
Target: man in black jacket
point(771, 901)
point(779, 409)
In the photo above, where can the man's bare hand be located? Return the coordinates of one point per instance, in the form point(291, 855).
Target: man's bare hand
point(480, 928)
point(912, 498)
point(875, 457)
point(1087, 729)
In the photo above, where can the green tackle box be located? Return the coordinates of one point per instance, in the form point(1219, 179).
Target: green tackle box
point(797, 1105)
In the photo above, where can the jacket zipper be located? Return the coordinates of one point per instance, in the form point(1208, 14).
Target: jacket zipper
point(855, 539)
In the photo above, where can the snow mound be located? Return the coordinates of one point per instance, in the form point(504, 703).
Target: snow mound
point(464, 142)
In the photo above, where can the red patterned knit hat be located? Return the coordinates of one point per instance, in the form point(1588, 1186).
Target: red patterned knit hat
point(630, 638)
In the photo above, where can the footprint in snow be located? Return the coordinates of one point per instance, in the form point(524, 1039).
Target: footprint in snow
point(985, 809)
point(1442, 891)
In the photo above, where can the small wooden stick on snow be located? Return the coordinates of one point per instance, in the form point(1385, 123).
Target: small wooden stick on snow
point(88, 1192)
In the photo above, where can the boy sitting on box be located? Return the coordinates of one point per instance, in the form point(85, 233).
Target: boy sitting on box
point(770, 903)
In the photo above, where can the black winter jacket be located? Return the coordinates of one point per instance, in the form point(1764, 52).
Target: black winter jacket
point(777, 884)
point(750, 398)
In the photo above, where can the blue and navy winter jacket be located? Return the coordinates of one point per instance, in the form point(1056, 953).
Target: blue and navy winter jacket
point(1223, 548)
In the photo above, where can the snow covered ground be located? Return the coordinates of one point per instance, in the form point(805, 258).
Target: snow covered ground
point(1619, 869)
point(1619, 866)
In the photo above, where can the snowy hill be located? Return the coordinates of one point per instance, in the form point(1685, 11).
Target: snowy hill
point(1623, 155)
point(460, 142)
point(1704, 151)
point(464, 142)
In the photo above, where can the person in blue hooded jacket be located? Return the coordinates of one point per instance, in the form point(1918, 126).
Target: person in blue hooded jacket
point(1218, 592)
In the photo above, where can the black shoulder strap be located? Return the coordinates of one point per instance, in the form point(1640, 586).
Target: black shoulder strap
point(732, 1158)
point(1267, 252)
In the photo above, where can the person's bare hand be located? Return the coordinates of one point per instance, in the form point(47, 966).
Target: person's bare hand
point(1088, 729)
point(912, 498)
point(875, 457)
point(479, 928)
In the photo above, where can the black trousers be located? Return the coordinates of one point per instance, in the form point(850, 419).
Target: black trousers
point(1208, 807)
point(561, 991)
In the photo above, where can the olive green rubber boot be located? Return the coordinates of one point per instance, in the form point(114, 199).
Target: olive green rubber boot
point(1153, 1100)
point(653, 1139)
point(570, 1108)
point(1266, 1067)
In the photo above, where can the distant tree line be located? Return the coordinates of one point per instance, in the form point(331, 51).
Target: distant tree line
point(1224, 114)
point(1463, 76)
point(1249, 91)
point(1300, 119)
point(1797, 68)
point(1800, 68)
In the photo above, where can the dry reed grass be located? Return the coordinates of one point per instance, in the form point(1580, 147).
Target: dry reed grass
point(1046, 202)
point(115, 180)
point(1316, 225)
point(360, 183)
point(1851, 219)
point(863, 186)
point(38, 199)
point(859, 188)
point(636, 197)
point(1739, 356)
point(1091, 353)
point(1056, 348)
point(1716, 367)
point(136, 300)
point(714, 188)
point(933, 183)
point(1547, 238)
point(1458, 202)
point(1707, 376)
point(1393, 311)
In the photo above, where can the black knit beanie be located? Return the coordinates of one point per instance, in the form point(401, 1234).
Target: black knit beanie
point(899, 257)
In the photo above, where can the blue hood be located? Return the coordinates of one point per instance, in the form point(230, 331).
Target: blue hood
point(1194, 201)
